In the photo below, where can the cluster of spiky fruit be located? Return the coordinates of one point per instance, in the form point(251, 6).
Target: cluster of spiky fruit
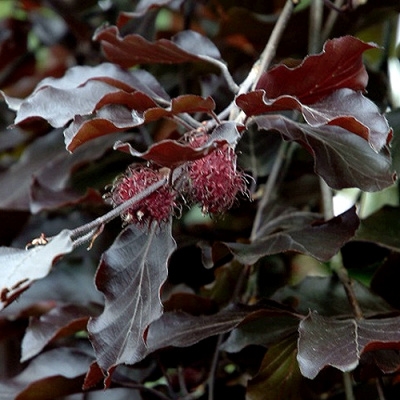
point(213, 182)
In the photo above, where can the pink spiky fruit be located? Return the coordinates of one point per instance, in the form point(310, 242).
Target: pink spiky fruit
point(158, 206)
point(215, 180)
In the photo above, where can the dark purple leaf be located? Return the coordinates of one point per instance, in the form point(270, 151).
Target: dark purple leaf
point(382, 228)
point(134, 49)
point(50, 186)
point(299, 232)
point(263, 329)
point(181, 329)
point(170, 153)
point(82, 90)
point(327, 296)
point(44, 198)
point(345, 108)
point(341, 158)
point(58, 322)
point(21, 267)
point(51, 375)
point(130, 275)
point(338, 66)
point(144, 6)
point(387, 360)
point(327, 341)
point(16, 181)
point(279, 377)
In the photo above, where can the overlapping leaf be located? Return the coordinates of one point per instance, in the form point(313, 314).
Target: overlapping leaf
point(133, 49)
point(326, 295)
point(340, 65)
point(54, 374)
point(19, 268)
point(130, 275)
point(58, 322)
point(180, 329)
point(327, 341)
point(170, 153)
point(345, 108)
point(382, 228)
point(264, 329)
point(80, 91)
point(300, 232)
point(341, 158)
point(279, 377)
point(101, 100)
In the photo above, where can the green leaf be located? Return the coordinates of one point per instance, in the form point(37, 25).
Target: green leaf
point(279, 376)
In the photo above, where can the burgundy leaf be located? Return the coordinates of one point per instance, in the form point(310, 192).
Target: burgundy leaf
point(21, 267)
point(54, 374)
point(131, 111)
point(345, 108)
point(189, 103)
point(279, 377)
point(109, 119)
point(93, 376)
point(133, 49)
point(338, 66)
point(327, 341)
point(321, 240)
point(130, 275)
point(170, 153)
point(58, 322)
point(387, 360)
point(341, 158)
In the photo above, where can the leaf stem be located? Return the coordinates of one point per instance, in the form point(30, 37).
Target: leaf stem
point(225, 72)
point(348, 386)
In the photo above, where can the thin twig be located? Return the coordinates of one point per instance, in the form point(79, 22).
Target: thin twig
point(348, 386)
point(213, 368)
point(270, 50)
point(379, 388)
point(330, 21)
point(142, 388)
point(269, 187)
point(225, 72)
point(314, 32)
point(326, 199)
point(81, 232)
